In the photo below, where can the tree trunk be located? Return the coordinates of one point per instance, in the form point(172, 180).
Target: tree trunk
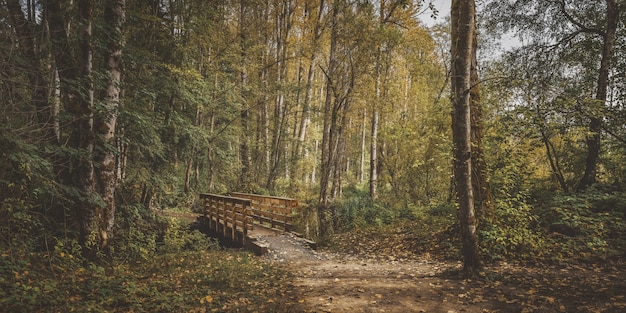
point(325, 210)
point(374, 156)
point(462, 35)
point(483, 199)
point(595, 124)
point(79, 104)
point(105, 155)
point(362, 161)
point(553, 160)
point(244, 150)
point(308, 93)
point(284, 23)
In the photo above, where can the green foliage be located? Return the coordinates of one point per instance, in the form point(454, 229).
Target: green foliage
point(156, 265)
point(136, 234)
point(179, 237)
point(360, 211)
point(183, 282)
point(514, 234)
point(596, 222)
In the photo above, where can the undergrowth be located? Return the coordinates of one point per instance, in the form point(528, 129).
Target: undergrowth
point(522, 229)
point(168, 269)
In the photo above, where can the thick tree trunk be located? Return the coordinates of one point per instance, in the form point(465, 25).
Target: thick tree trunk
point(79, 104)
point(595, 124)
point(462, 35)
point(105, 154)
point(483, 199)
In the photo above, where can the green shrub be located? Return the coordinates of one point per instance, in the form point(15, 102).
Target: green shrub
point(596, 220)
point(179, 237)
point(514, 233)
point(357, 212)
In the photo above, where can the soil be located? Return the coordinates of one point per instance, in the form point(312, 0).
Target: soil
point(325, 281)
point(334, 282)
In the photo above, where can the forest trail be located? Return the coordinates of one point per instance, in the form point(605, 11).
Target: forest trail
point(378, 273)
point(334, 282)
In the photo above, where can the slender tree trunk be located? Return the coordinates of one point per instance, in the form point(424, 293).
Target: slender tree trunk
point(553, 159)
point(325, 210)
point(308, 94)
point(363, 135)
point(374, 156)
point(595, 124)
point(462, 35)
point(244, 153)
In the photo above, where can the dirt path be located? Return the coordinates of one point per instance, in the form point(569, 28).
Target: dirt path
point(332, 282)
point(387, 274)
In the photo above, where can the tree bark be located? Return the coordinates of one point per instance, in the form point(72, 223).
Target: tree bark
point(374, 156)
point(325, 210)
point(595, 124)
point(483, 199)
point(79, 104)
point(244, 147)
point(462, 36)
point(362, 159)
point(105, 153)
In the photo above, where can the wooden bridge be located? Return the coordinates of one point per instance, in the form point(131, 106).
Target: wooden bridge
point(238, 216)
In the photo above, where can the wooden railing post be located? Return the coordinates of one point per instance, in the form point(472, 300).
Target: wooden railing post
point(224, 212)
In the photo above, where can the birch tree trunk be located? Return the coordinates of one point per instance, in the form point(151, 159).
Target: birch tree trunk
point(105, 121)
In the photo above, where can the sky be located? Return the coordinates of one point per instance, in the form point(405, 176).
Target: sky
point(443, 6)
point(507, 42)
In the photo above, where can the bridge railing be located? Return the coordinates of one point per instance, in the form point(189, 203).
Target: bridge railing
point(274, 211)
point(228, 216)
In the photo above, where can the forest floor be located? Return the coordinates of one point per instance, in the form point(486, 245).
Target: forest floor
point(383, 270)
point(378, 274)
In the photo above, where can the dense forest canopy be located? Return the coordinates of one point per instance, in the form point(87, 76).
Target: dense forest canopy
point(111, 108)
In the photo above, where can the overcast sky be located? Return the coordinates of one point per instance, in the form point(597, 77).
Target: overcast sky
point(508, 41)
point(443, 6)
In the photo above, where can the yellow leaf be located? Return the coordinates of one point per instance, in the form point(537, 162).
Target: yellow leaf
point(270, 300)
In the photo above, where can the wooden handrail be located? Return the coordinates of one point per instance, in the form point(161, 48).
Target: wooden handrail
point(228, 215)
point(276, 211)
